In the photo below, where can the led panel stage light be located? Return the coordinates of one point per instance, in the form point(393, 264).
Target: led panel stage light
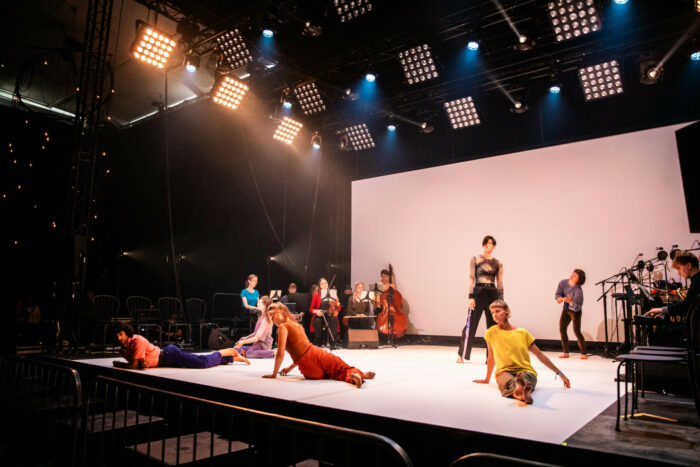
point(462, 112)
point(349, 9)
point(309, 98)
point(601, 80)
point(234, 49)
point(418, 64)
point(287, 130)
point(152, 46)
point(573, 18)
point(230, 93)
point(359, 137)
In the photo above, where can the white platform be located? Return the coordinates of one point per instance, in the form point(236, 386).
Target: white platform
point(424, 384)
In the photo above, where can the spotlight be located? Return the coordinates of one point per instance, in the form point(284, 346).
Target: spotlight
point(230, 93)
point(601, 80)
point(661, 254)
point(462, 112)
point(418, 64)
point(522, 39)
point(370, 77)
point(554, 89)
point(349, 9)
point(524, 43)
point(286, 99)
point(287, 130)
point(309, 98)
point(268, 33)
point(350, 95)
point(695, 56)
point(357, 137)
point(697, 6)
point(473, 45)
point(650, 71)
point(519, 106)
point(233, 49)
point(391, 127)
point(621, 2)
point(287, 104)
point(425, 128)
point(152, 46)
point(191, 62)
point(573, 18)
point(315, 140)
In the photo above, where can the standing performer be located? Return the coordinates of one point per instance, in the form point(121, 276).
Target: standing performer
point(261, 338)
point(509, 352)
point(324, 311)
point(313, 362)
point(485, 286)
point(249, 295)
point(139, 353)
point(569, 293)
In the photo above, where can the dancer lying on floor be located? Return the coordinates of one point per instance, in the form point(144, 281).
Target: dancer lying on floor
point(509, 351)
point(313, 362)
point(139, 353)
point(258, 344)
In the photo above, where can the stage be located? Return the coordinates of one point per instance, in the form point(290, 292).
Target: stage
point(423, 384)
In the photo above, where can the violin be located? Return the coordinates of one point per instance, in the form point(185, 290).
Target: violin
point(391, 302)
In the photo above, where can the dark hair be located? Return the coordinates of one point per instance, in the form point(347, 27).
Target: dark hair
point(126, 327)
point(581, 276)
point(384, 272)
point(685, 257)
point(291, 284)
point(486, 240)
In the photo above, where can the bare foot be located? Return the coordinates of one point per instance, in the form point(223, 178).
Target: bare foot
point(584, 356)
point(368, 375)
point(460, 359)
point(564, 355)
point(356, 380)
point(240, 358)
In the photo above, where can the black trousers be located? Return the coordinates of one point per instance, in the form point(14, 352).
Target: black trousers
point(483, 296)
point(566, 317)
point(321, 331)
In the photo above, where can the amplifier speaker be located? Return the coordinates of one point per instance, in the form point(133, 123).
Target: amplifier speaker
point(218, 340)
point(363, 339)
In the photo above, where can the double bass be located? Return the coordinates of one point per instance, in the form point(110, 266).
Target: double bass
point(391, 320)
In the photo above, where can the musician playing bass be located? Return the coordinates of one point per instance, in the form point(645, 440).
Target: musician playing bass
point(324, 310)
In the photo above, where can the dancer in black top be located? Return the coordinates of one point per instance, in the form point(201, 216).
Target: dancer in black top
point(485, 286)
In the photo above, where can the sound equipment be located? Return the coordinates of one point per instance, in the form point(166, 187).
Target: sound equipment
point(363, 339)
point(218, 340)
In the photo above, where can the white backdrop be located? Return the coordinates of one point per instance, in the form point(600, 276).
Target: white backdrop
point(592, 205)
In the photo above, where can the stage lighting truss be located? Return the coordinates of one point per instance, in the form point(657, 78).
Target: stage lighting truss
point(418, 64)
point(349, 9)
point(601, 80)
point(152, 46)
point(309, 99)
point(462, 112)
point(287, 130)
point(233, 49)
point(359, 137)
point(230, 93)
point(573, 18)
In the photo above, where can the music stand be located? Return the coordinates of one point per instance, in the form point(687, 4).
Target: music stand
point(275, 295)
point(330, 294)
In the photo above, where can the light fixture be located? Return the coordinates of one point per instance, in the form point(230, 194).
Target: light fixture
point(462, 112)
point(573, 18)
point(192, 62)
point(601, 80)
point(697, 6)
point(234, 49)
point(315, 140)
point(695, 56)
point(524, 42)
point(287, 130)
point(519, 105)
point(391, 127)
point(473, 45)
point(152, 46)
point(230, 93)
point(554, 88)
point(350, 9)
point(287, 104)
point(621, 2)
point(309, 98)
point(418, 64)
point(286, 99)
point(358, 137)
point(370, 77)
point(268, 33)
point(650, 72)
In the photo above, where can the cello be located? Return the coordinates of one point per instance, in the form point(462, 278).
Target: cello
point(391, 320)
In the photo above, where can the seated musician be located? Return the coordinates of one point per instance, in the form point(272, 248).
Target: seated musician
point(291, 294)
point(313, 362)
point(686, 264)
point(384, 285)
point(324, 324)
point(357, 308)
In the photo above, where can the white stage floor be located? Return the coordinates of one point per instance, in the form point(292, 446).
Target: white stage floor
point(424, 384)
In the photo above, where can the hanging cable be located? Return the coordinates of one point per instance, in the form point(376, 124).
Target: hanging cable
point(167, 188)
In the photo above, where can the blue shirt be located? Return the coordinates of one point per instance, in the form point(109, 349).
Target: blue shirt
point(574, 291)
point(251, 297)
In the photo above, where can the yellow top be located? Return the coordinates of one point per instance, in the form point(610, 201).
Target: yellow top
point(510, 349)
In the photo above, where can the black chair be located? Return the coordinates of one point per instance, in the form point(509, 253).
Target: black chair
point(144, 315)
point(171, 308)
point(228, 313)
point(635, 360)
point(107, 309)
point(196, 311)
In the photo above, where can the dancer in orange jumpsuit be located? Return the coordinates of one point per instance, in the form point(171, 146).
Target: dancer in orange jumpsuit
point(313, 362)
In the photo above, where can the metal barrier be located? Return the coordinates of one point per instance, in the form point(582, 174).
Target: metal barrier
point(142, 425)
point(40, 412)
point(488, 459)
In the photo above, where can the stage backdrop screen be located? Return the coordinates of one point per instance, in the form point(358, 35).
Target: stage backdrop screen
point(593, 205)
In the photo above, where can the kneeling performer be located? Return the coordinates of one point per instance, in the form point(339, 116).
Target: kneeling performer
point(313, 362)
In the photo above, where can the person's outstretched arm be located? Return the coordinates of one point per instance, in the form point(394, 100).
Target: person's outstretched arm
point(281, 347)
point(490, 363)
point(548, 363)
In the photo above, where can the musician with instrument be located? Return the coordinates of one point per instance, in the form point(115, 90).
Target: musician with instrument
point(391, 321)
point(324, 310)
